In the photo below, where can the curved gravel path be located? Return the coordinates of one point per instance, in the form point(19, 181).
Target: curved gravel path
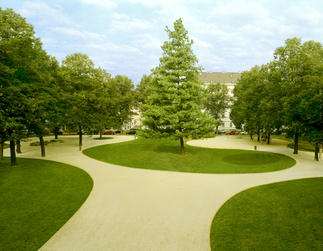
point(136, 209)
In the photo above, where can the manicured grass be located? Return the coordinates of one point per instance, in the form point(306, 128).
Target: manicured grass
point(165, 155)
point(37, 198)
point(303, 146)
point(280, 216)
point(103, 138)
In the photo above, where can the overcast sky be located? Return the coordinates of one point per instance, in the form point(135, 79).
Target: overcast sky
point(124, 36)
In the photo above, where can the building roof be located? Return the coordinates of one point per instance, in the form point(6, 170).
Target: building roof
point(222, 77)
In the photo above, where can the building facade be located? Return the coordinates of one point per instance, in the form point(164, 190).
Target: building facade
point(229, 79)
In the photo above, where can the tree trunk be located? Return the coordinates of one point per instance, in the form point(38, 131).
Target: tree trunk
point(258, 136)
point(42, 146)
point(56, 131)
point(13, 153)
point(1, 149)
point(100, 134)
point(268, 141)
point(121, 129)
point(182, 146)
point(217, 130)
point(80, 138)
point(18, 149)
point(296, 143)
point(317, 148)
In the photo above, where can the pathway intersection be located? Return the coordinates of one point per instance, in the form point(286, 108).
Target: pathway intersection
point(135, 209)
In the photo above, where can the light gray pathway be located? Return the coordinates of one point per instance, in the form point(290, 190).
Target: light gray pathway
point(134, 209)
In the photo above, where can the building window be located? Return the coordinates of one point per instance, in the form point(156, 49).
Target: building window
point(230, 124)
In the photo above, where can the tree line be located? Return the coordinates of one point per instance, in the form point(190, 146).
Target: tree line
point(284, 94)
point(38, 94)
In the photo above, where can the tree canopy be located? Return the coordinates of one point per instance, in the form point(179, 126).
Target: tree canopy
point(174, 107)
point(286, 93)
point(38, 95)
point(125, 99)
point(217, 101)
point(24, 74)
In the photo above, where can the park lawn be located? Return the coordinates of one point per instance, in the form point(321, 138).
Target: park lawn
point(280, 216)
point(37, 198)
point(165, 155)
point(103, 138)
point(303, 146)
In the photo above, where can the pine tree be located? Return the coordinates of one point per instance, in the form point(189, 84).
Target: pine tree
point(174, 108)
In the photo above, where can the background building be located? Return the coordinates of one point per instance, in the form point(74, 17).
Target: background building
point(228, 78)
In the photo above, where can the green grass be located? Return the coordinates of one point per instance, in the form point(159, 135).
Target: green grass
point(280, 216)
point(37, 198)
point(103, 138)
point(165, 155)
point(303, 146)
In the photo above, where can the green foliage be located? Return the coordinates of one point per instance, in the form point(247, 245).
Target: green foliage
point(173, 108)
point(248, 93)
point(26, 78)
point(102, 114)
point(285, 93)
point(142, 90)
point(124, 95)
point(217, 100)
point(279, 216)
point(87, 94)
point(38, 95)
point(17, 47)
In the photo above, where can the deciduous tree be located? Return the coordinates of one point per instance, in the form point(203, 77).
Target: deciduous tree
point(84, 93)
point(20, 58)
point(217, 101)
point(125, 99)
point(300, 83)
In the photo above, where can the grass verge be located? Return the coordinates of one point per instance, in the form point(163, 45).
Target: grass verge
point(279, 216)
point(303, 146)
point(103, 138)
point(37, 198)
point(165, 155)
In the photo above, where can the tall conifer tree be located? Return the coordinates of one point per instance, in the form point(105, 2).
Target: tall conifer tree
point(174, 108)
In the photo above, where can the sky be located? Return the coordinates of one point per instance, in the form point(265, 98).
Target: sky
point(125, 36)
